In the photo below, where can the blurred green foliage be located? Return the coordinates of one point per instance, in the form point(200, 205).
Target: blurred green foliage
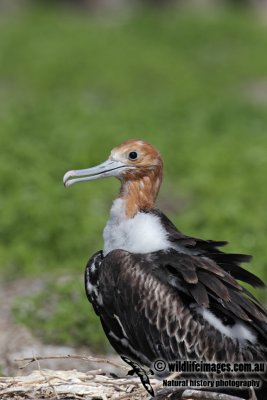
point(60, 314)
point(72, 86)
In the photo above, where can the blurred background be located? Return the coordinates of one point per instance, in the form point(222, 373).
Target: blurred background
point(76, 79)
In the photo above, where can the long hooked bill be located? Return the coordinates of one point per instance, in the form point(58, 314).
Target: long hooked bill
point(104, 170)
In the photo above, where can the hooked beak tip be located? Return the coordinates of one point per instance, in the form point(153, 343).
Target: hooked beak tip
point(106, 169)
point(67, 175)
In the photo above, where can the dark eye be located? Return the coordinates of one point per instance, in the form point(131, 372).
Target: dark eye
point(132, 155)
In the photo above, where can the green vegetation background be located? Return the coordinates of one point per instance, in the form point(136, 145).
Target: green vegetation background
point(73, 86)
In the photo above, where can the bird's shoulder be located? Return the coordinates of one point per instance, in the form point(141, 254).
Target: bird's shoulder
point(211, 249)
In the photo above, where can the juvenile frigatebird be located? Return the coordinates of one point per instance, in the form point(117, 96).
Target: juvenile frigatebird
point(159, 293)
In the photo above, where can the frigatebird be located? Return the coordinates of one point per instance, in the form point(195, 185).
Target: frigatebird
point(163, 295)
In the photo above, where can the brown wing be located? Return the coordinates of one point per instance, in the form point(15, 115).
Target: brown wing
point(151, 307)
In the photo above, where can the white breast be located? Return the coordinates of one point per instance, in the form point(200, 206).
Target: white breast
point(141, 234)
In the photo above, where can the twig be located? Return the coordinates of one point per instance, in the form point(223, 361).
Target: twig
point(173, 376)
point(119, 384)
point(84, 358)
point(74, 384)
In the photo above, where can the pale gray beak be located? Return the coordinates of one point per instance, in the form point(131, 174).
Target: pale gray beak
point(104, 170)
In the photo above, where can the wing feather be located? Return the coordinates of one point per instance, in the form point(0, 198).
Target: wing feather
point(160, 319)
point(199, 294)
point(214, 284)
point(229, 262)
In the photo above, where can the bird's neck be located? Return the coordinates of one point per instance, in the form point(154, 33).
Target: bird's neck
point(140, 194)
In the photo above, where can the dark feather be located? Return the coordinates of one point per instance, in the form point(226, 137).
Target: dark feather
point(214, 284)
point(199, 294)
point(209, 248)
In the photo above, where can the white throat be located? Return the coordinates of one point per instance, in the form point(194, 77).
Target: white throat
point(141, 234)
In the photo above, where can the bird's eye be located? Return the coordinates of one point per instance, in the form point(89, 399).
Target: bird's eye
point(133, 155)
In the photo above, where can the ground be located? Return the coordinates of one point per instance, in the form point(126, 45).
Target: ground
point(17, 342)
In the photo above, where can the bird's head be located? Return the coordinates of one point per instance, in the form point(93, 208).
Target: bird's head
point(131, 160)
